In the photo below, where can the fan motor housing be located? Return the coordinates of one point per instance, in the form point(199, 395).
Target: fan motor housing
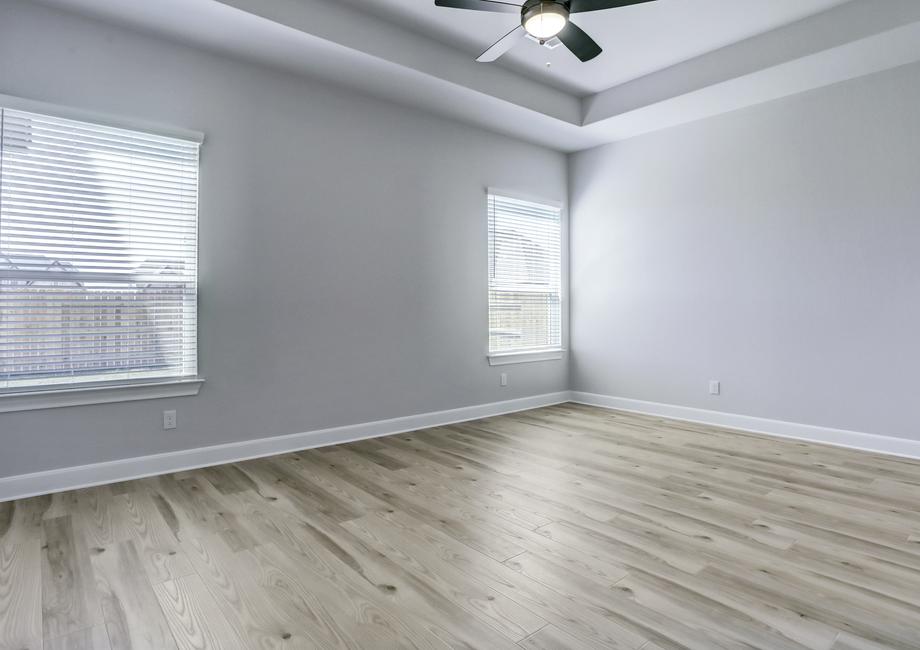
point(531, 7)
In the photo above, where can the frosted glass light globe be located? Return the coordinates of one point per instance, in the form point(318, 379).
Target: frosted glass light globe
point(545, 24)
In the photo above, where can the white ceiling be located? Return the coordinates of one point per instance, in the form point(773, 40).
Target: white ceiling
point(637, 40)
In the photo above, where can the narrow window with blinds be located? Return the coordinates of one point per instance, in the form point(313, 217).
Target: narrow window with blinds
point(98, 254)
point(525, 276)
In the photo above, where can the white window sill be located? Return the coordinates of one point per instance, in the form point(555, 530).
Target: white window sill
point(58, 396)
point(507, 358)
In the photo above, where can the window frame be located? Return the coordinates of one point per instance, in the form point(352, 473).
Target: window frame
point(542, 354)
point(115, 390)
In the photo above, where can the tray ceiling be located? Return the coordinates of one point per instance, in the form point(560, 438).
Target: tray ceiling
point(665, 63)
point(637, 40)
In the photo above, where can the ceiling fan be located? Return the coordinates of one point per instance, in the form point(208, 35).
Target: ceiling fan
point(543, 20)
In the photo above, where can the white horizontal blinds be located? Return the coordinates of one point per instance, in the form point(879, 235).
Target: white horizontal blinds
point(98, 253)
point(525, 275)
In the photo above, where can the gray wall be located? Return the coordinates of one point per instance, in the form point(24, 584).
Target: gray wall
point(343, 245)
point(776, 249)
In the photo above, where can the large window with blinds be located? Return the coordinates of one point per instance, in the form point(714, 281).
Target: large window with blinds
point(98, 253)
point(525, 276)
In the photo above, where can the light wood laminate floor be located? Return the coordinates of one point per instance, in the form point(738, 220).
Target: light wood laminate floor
point(561, 527)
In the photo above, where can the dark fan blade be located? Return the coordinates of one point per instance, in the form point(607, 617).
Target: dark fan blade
point(502, 45)
point(578, 6)
point(582, 45)
point(481, 5)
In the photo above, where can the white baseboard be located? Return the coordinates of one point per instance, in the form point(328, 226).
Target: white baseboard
point(69, 478)
point(837, 437)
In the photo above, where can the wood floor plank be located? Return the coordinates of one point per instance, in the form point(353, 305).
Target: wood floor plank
point(882, 622)
point(100, 522)
point(561, 527)
point(20, 595)
point(132, 615)
point(584, 620)
point(372, 451)
point(729, 626)
point(7, 508)
point(233, 584)
point(21, 521)
point(479, 534)
point(646, 622)
point(307, 496)
point(354, 581)
point(338, 611)
point(849, 642)
point(491, 607)
point(69, 600)
point(92, 638)
point(452, 624)
point(318, 582)
point(310, 466)
point(550, 637)
point(226, 479)
point(495, 501)
point(157, 546)
point(194, 618)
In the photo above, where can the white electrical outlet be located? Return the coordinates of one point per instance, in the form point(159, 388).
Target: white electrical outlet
point(169, 420)
point(504, 379)
point(715, 387)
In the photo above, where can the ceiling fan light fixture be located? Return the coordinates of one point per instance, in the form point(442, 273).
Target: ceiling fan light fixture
point(543, 20)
